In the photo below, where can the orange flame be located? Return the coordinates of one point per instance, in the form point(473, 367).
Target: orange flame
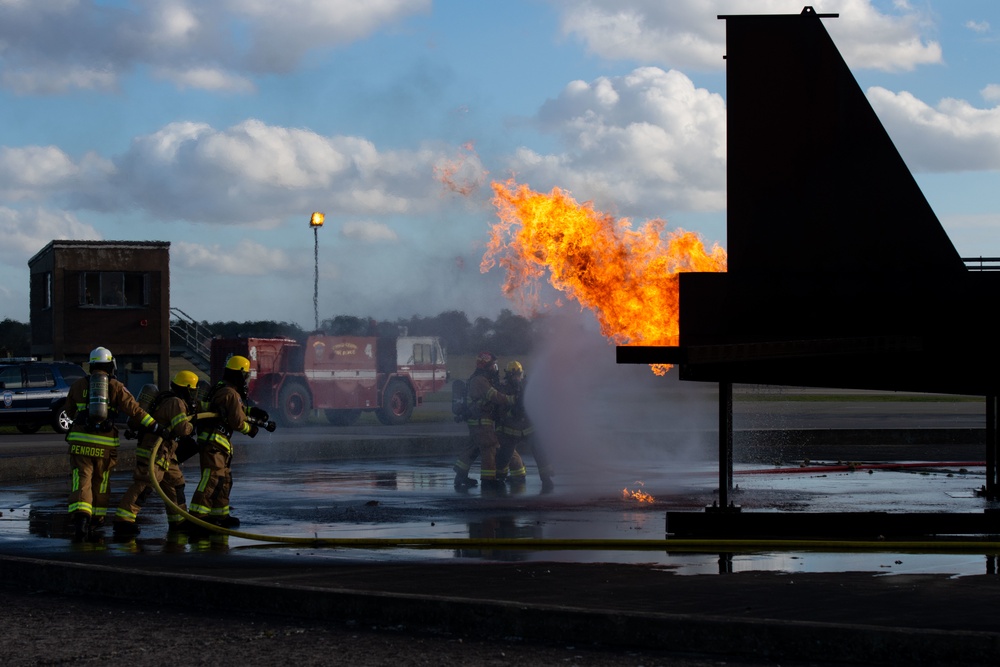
point(641, 496)
point(461, 175)
point(628, 278)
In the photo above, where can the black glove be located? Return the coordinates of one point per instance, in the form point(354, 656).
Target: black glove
point(186, 448)
point(253, 430)
point(158, 430)
point(258, 415)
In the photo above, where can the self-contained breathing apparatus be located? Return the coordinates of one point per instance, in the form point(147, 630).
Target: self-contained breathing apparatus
point(98, 418)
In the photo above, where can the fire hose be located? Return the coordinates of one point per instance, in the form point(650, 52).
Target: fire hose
point(711, 545)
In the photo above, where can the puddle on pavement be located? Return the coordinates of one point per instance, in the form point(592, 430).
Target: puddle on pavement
point(416, 499)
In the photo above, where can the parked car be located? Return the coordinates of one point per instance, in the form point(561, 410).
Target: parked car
point(32, 393)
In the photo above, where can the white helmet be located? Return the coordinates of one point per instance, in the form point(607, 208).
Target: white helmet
point(102, 355)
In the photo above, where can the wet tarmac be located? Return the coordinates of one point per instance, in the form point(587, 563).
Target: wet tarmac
point(360, 528)
point(367, 510)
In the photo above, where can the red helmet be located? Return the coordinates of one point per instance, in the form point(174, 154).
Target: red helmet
point(485, 360)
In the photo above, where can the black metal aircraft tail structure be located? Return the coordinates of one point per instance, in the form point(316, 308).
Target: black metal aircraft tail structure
point(839, 275)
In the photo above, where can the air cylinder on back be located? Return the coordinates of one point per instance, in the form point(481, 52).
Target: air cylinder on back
point(146, 396)
point(97, 410)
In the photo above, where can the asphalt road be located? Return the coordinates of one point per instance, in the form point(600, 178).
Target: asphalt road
point(765, 411)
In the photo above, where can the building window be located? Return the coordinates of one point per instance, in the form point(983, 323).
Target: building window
point(41, 292)
point(114, 289)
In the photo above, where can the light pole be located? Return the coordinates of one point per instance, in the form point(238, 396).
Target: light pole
point(315, 222)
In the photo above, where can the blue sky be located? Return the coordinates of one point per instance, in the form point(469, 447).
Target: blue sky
point(220, 126)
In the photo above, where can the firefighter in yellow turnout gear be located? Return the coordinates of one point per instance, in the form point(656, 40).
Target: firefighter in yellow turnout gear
point(173, 408)
point(514, 430)
point(485, 404)
point(228, 400)
point(93, 403)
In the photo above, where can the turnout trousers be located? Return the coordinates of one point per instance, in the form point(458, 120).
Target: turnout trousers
point(170, 479)
point(211, 498)
point(90, 483)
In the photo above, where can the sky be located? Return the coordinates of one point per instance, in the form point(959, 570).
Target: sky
point(221, 126)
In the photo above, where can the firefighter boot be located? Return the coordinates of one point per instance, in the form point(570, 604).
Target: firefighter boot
point(125, 528)
point(493, 487)
point(229, 521)
point(518, 483)
point(548, 486)
point(463, 481)
point(81, 525)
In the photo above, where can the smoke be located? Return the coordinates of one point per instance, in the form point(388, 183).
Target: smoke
point(608, 426)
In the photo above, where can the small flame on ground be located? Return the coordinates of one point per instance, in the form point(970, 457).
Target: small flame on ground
point(639, 495)
point(627, 277)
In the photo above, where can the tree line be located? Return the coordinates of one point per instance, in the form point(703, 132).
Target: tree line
point(507, 334)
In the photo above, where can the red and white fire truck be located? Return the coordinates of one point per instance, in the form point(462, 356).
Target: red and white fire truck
point(341, 375)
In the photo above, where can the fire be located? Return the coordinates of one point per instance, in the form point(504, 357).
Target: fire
point(639, 495)
point(627, 277)
point(464, 174)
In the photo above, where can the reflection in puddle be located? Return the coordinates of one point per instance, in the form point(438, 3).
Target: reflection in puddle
point(392, 500)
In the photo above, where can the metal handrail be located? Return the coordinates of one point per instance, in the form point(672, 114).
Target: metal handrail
point(982, 263)
point(192, 333)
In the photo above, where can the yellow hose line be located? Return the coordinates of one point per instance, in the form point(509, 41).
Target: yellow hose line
point(700, 545)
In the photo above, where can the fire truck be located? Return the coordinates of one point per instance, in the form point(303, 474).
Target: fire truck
point(341, 375)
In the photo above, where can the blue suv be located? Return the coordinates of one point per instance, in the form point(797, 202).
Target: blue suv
point(32, 393)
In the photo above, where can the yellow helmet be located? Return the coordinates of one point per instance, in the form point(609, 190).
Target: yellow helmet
point(515, 367)
point(238, 363)
point(185, 379)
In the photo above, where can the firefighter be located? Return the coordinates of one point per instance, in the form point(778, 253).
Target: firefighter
point(93, 403)
point(228, 399)
point(514, 429)
point(485, 404)
point(173, 407)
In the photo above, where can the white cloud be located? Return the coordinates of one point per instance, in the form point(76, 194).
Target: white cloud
point(54, 47)
point(49, 80)
point(978, 26)
point(259, 174)
point(38, 172)
point(954, 136)
point(648, 141)
point(25, 232)
point(246, 258)
point(685, 34)
point(991, 93)
point(368, 232)
point(206, 78)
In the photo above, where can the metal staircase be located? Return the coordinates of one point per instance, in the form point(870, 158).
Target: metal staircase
point(190, 339)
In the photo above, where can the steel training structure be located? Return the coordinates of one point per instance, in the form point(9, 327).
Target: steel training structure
point(839, 275)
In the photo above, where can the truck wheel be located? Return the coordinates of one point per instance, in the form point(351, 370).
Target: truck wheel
point(398, 404)
point(294, 404)
point(29, 428)
point(343, 417)
point(61, 422)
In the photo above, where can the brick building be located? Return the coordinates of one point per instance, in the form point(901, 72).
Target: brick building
point(115, 294)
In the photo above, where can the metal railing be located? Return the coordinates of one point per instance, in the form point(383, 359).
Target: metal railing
point(982, 263)
point(191, 335)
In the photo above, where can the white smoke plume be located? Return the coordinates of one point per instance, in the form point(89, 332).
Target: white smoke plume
point(608, 426)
